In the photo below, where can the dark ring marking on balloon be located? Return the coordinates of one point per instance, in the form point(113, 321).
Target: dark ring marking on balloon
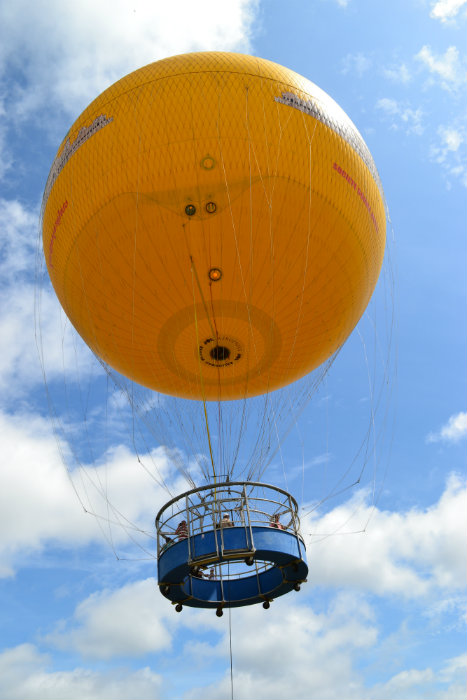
point(245, 355)
point(222, 351)
point(208, 163)
point(215, 274)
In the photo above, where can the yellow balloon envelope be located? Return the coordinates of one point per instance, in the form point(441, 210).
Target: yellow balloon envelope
point(214, 226)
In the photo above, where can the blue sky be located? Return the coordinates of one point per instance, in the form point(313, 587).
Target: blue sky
point(383, 614)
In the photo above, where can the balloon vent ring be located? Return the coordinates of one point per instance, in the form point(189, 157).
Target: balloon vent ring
point(221, 351)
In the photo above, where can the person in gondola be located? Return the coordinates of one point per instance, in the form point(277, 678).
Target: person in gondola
point(226, 521)
point(182, 530)
point(274, 522)
point(168, 543)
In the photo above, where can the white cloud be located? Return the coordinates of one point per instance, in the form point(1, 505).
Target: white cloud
point(446, 67)
point(451, 138)
point(129, 621)
point(450, 153)
point(69, 52)
point(295, 644)
point(18, 229)
point(454, 665)
point(293, 647)
point(401, 115)
point(5, 156)
point(357, 64)
point(271, 650)
point(25, 675)
point(36, 499)
point(453, 431)
point(408, 554)
point(413, 554)
point(290, 646)
point(445, 683)
point(399, 74)
point(38, 504)
point(20, 367)
point(402, 683)
point(446, 10)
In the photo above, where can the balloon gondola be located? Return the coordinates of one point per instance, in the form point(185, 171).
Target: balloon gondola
point(228, 545)
point(214, 227)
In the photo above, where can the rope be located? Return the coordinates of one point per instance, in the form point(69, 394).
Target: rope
point(201, 373)
point(230, 650)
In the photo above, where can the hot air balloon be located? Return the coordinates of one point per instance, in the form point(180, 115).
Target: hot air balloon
point(214, 227)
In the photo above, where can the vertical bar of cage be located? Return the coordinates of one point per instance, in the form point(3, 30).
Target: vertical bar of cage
point(188, 523)
point(158, 529)
point(214, 524)
point(247, 508)
point(296, 531)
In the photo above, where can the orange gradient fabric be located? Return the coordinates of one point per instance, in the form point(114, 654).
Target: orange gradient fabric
point(214, 226)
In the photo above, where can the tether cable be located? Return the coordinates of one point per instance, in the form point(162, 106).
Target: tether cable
point(230, 650)
point(193, 273)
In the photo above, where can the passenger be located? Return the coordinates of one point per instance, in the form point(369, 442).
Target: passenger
point(182, 530)
point(212, 574)
point(274, 522)
point(168, 543)
point(226, 521)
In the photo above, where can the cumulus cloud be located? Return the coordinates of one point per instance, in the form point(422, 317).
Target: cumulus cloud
point(25, 675)
point(409, 554)
point(453, 431)
point(62, 55)
point(300, 649)
point(20, 367)
point(297, 648)
point(39, 501)
point(452, 138)
point(445, 67)
point(293, 645)
point(31, 315)
point(413, 555)
point(356, 64)
point(135, 620)
point(398, 73)
point(131, 621)
point(36, 499)
point(445, 683)
point(449, 151)
point(455, 665)
point(401, 115)
point(18, 226)
point(67, 53)
point(299, 643)
point(19, 362)
point(5, 156)
point(446, 10)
